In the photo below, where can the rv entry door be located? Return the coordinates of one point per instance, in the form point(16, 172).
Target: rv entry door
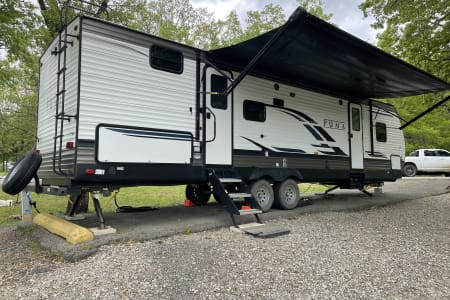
point(356, 136)
point(218, 128)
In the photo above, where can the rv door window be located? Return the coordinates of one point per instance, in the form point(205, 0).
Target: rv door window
point(254, 111)
point(356, 122)
point(166, 59)
point(381, 133)
point(218, 85)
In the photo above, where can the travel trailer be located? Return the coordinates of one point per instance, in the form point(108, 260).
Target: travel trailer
point(118, 107)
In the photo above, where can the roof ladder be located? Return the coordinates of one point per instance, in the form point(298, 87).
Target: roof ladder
point(60, 115)
point(228, 188)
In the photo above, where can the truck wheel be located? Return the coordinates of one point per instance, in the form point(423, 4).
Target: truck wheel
point(21, 173)
point(198, 193)
point(410, 170)
point(263, 193)
point(287, 194)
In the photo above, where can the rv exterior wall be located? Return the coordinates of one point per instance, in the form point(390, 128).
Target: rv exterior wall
point(47, 102)
point(118, 86)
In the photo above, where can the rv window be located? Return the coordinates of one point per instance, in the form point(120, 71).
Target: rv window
point(218, 85)
point(356, 125)
point(254, 111)
point(381, 133)
point(166, 59)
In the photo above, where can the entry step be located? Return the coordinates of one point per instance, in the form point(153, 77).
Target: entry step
point(251, 211)
point(239, 195)
point(230, 180)
point(260, 230)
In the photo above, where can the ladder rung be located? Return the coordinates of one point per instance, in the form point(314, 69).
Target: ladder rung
point(61, 71)
point(252, 211)
point(239, 195)
point(73, 35)
point(60, 92)
point(230, 180)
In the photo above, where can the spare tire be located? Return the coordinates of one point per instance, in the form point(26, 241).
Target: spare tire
point(21, 173)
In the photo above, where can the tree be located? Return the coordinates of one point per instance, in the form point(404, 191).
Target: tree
point(418, 32)
point(259, 22)
point(315, 7)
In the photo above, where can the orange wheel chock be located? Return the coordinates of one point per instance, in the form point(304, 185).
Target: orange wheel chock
point(188, 203)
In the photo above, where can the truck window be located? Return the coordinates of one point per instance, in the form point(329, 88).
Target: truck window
point(429, 153)
point(414, 153)
point(254, 111)
point(218, 85)
point(442, 153)
point(166, 59)
point(380, 132)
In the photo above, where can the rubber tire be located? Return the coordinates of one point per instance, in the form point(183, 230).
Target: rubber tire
point(287, 194)
point(21, 173)
point(263, 193)
point(409, 170)
point(198, 193)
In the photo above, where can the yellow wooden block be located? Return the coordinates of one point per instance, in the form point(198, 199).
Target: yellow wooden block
point(73, 233)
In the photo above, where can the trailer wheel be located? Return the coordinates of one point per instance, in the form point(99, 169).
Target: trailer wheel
point(287, 194)
point(409, 170)
point(21, 173)
point(263, 193)
point(198, 193)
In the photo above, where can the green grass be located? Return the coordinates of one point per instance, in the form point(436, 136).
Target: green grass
point(136, 196)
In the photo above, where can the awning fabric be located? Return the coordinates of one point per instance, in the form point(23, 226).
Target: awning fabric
point(318, 56)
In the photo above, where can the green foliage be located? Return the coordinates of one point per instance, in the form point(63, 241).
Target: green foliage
point(258, 22)
point(418, 32)
point(315, 7)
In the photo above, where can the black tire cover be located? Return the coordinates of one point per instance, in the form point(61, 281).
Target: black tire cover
point(21, 173)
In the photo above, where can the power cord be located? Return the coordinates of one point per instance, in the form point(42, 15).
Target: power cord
point(130, 209)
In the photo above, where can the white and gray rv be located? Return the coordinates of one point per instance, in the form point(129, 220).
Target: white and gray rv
point(118, 107)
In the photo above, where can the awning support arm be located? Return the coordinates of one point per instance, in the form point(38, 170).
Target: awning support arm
point(251, 65)
point(207, 61)
point(425, 112)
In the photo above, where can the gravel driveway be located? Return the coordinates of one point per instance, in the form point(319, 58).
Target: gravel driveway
point(396, 252)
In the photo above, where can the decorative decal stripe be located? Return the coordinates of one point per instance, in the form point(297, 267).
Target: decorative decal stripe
point(292, 115)
point(295, 112)
point(325, 134)
point(151, 134)
point(313, 132)
point(278, 150)
point(337, 151)
point(288, 150)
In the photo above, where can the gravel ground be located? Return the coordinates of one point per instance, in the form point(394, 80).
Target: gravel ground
point(394, 252)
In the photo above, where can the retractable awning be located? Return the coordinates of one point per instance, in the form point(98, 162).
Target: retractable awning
point(310, 53)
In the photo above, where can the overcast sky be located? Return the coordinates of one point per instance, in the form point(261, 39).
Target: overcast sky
point(346, 14)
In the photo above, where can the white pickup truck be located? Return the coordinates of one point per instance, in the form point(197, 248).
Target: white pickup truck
point(427, 161)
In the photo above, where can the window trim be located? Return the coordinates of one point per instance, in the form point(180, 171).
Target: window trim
point(215, 95)
point(162, 68)
point(358, 128)
point(257, 102)
point(384, 127)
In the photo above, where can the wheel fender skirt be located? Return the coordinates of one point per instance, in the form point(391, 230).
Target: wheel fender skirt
point(275, 174)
